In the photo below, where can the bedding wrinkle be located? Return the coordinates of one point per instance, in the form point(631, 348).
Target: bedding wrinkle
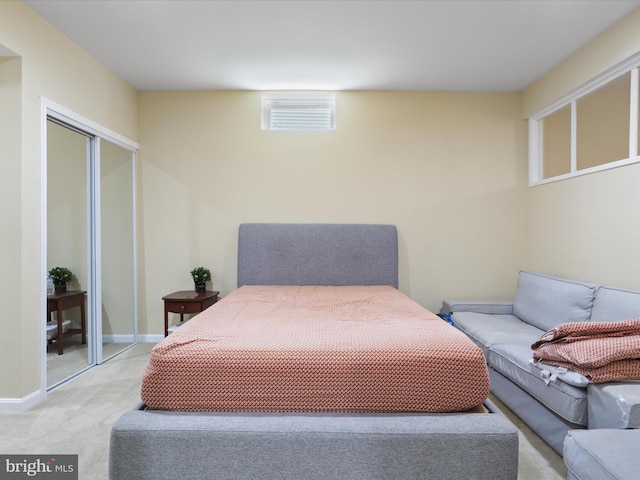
point(333, 349)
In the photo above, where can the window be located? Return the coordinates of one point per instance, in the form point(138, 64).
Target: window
point(556, 151)
point(594, 128)
point(602, 117)
point(304, 111)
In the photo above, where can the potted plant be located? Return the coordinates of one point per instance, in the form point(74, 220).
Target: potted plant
point(201, 276)
point(60, 277)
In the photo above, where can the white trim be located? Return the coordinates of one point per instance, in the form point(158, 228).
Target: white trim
point(586, 171)
point(134, 206)
point(93, 130)
point(536, 133)
point(574, 138)
point(590, 85)
point(43, 311)
point(95, 246)
point(118, 338)
point(89, 126)
point(633, 114)
point(536, 160)
point(150, 338)
point(16, 405)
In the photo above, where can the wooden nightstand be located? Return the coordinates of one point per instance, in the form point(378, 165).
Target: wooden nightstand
point(63, 301)
point(187, 301)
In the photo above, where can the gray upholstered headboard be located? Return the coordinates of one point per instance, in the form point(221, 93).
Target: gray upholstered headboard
point(317, 254)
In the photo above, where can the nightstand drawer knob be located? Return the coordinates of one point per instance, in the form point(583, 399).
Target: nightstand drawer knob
point(181, 307)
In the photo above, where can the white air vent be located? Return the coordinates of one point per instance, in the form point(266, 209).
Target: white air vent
point(312, 111)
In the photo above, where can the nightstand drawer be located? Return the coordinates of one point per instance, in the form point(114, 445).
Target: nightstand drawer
point(183, 307)
point(187, 302)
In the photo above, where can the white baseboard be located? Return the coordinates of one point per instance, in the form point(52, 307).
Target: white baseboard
point(117, 338)
point(129, 338)
point(15, 405)
point(154, 338)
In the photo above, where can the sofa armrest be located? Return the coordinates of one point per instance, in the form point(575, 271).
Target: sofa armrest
point(492, 307)
point(614, 405)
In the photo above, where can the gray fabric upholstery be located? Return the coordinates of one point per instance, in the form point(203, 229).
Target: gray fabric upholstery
point(603, 454)
point(317, 254)
point(194, 445)
point(546, 301)
point(614, 405)
point(487, 330)
point(565, 400)
point(493, 307)
point(570, 377)
point(168, 445)
point(549, 399)
point(546, 424)
point(615, 304)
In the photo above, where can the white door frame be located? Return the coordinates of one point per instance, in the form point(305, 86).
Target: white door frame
point(97, 131)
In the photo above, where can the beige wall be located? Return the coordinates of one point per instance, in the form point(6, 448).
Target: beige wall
point(612, 47)
point(447, 168)
point(10, 237)
point(54, 67)
point(586, 227)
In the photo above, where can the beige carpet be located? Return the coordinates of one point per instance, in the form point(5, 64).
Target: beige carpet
point(76, 418)
point(74, 359)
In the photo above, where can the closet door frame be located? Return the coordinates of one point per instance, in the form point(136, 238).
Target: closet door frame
point(60, 114)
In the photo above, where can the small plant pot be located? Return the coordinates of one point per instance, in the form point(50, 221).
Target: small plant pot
point(60, 288)
point(201, 288)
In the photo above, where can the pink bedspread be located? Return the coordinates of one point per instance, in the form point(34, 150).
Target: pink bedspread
point(601, 351)
point(316, 349)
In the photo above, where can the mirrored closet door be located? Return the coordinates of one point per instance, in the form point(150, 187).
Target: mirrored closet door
point(68, 153)
point(91, 232)
point(117, 252)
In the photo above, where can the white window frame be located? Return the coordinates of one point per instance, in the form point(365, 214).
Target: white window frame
point(296, 103)
point(536, 160)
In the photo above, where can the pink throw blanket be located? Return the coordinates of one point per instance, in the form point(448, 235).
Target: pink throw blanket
point(601, 351)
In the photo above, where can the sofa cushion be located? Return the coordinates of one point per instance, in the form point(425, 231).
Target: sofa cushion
point(546, 301)
point(602, 454)
point(615, 304)
point(514, 362)
point(492, 307)
point(545, 370)
point(486, 330)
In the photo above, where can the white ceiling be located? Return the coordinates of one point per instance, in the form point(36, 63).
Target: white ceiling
point(472, 45)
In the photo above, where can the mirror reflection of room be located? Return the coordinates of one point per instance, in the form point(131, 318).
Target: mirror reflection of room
point(67, 248)
point(90, 251)
point(117, 289)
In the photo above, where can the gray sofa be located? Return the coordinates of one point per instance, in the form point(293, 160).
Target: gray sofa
point(550, 400)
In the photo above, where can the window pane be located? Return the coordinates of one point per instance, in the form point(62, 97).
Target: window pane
point(603, 124)
point(556, 136)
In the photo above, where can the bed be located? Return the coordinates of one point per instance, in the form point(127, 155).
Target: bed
point(391, 404)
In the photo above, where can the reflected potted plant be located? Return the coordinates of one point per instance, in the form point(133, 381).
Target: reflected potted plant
point(60, 277)
point(201, 276)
